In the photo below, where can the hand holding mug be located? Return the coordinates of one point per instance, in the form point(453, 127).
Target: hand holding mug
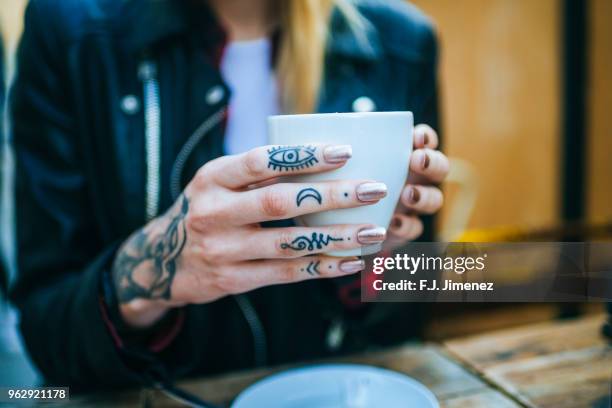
point(209, 244)
point(427, 169)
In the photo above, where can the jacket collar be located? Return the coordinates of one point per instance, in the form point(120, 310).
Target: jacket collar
point(148, 22)
point(346, 42)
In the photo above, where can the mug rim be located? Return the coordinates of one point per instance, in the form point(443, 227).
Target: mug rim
point(337, 114)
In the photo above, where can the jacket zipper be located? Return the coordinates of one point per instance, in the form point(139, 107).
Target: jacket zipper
point(152, 115)
point(191, 143)
point(245, 305)
point(148, 75)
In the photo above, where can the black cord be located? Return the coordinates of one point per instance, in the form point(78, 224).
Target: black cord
point(184, 397)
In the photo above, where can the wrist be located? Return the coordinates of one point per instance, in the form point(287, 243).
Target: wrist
point(142, 323)
point(143, 313)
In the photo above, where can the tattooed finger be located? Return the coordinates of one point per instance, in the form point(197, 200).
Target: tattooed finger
point(268, 272)
point(293, 242)
point(266, 162)
point(288, 200)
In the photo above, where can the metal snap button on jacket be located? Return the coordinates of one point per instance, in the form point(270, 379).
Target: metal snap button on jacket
point(130, 105)
point(363, 104)
point(214, 95)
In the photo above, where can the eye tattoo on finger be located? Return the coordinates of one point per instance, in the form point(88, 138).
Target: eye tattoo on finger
point(308, 193)
point(291, 157)
point(316, 240)
point(312, 268)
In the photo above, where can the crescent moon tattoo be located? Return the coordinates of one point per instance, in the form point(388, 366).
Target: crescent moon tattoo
point(308, 193)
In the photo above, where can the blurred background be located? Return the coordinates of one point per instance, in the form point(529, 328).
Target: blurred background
point(526, 95)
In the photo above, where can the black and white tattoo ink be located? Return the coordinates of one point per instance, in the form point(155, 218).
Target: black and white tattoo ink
point(316, 240)
point(308, 193)
point(291, 157)
point(145, 267)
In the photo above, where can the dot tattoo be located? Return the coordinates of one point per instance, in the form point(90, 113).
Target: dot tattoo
point(316, 240)
point(308, 193)
point(146, 265)
point(291, 157)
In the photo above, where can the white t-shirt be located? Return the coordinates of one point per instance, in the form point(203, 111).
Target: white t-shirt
point(246, 67)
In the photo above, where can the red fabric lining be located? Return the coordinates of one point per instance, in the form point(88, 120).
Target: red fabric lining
point(163, 338)
point(109, 324)
point(160, 341)
point(350, 293)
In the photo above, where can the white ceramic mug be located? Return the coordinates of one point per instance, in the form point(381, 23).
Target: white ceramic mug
point(382, 144)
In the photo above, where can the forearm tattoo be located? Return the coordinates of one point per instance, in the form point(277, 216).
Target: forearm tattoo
point(316, 240)
point(291, 157)
point(308, 193)
point(145, 267)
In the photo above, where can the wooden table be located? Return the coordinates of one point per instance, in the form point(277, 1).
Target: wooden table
point(560, 364)
point(556, 365)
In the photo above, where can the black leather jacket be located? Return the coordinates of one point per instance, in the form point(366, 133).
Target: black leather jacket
point(97, 81)
point(3, 267)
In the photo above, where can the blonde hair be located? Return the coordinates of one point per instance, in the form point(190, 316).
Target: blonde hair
point(301, 55)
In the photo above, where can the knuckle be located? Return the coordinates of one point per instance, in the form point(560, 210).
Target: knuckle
point(209, 249)
point(227, 283)
point(204, 175)
point(274, 204)
point(253, 166)
point(287, 272)
point(191, 222)
point(331, 198)
point(202, 218)
point(280, 243)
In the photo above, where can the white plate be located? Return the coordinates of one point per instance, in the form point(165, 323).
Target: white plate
point(337, 386)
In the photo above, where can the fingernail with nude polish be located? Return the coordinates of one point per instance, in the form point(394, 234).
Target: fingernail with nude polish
point(352, 266)
point(371, 191)
point(337, 154)
point(372, 235)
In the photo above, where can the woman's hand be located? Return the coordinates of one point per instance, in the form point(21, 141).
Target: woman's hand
point(209, 244)
point(428, 168)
